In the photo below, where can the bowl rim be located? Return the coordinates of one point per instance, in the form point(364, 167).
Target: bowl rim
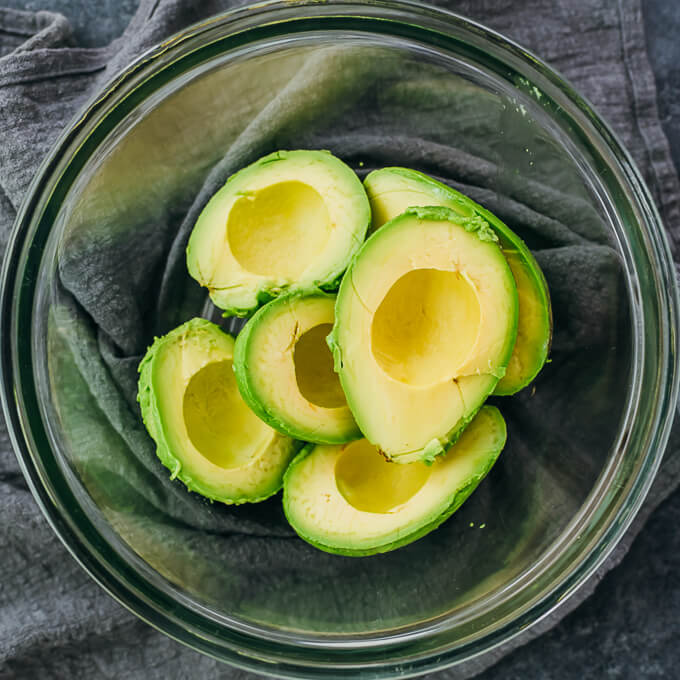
point(247, 648)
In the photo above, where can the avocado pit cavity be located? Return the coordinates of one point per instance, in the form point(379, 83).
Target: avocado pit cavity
point(426, 326)
point(314, 373)
point(218, 422)
point(278, 230)
point(370, 483)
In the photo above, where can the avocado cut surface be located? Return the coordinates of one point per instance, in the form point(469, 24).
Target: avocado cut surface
point(205, 433)
point(393, 190)
point(348, 499)
point(425, 323)
point(284, 369)
point(290, 221)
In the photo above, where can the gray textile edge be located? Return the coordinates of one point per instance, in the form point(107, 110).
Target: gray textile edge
point(49, 31)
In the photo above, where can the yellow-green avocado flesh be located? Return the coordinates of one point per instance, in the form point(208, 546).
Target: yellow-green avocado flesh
point(349, 500)
point(284, 369)
point(204, 432)
point(392, 190)
point(290, 221)
point(425, 323)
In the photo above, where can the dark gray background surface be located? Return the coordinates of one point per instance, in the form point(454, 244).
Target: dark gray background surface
point(630, 627)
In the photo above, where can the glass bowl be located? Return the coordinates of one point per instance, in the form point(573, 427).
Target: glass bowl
point(96, 268)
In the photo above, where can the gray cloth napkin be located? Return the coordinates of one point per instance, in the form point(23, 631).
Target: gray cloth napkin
point(53, 621)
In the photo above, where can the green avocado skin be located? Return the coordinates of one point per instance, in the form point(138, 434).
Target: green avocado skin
point(458, 498)
point(243, 372)
point(153, 420)
point(509, 241)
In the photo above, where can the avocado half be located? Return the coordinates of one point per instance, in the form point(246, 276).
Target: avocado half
point(392, 190)
point(290, 221)
point(349, 500)
point(205, 433)
point(284, 369)
point(425, 324)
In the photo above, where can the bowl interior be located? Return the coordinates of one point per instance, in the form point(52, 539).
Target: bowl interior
point(113, 275)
